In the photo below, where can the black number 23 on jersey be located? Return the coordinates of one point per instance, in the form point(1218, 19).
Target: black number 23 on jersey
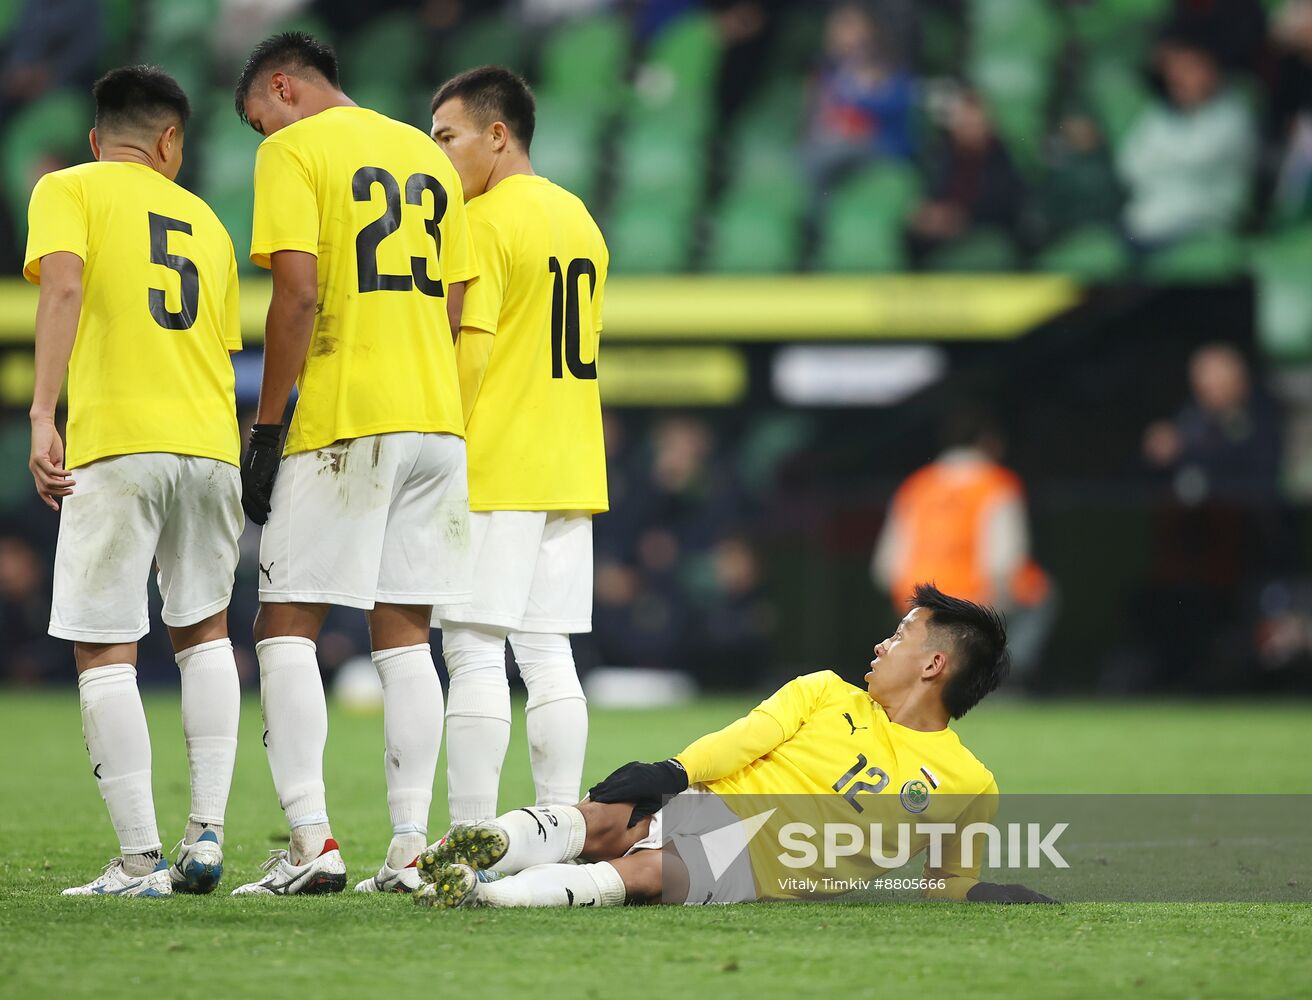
point(366, 243)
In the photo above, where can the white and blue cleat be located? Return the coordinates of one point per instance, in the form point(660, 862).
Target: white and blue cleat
point(114, 881)
point(199, 866)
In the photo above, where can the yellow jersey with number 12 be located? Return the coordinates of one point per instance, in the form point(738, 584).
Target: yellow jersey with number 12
point(382, 208)
point(150, 369)
point(534, 432)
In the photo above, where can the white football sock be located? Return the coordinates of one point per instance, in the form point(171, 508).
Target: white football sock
point(211, 707)
point(412, 732)
point(597, 884)
point(557, 715)
point(541, 836)
point(477, 718)
point(114, 724)
point(295, 732)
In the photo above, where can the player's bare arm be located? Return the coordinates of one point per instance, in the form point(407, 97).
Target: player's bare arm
point(56, 329)
point(287, 331)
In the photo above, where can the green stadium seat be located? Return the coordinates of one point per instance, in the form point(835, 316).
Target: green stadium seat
point(56, 125)
point(1210, 257)
point(654, 167)
point(234, 210)
point(1284, 294)
point(863, 220)
point(752, 235)
point(9, 15)
point(1015, 89)
point(1091, 253)
point(389, 52)
point(1117, 94)
point(674, 85)
point(1115, 22)
point(487, 40)
point(179, 22)
point(566, 145)
point(227, 148)
point(649, 238)
point(1020, 28)
point(985, 249)
point(773, 118)
point(584, 61)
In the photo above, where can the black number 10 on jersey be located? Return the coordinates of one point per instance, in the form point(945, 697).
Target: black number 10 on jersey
point(366, 243)
point(566, 348)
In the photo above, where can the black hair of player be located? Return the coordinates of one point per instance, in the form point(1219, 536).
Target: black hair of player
point(493, 94)
point(978, 635)
point(137, 99)
point(289, 51)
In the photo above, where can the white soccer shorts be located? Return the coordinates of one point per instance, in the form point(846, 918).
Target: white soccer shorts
point(682, 826)
point(532, 572)
point(382, 519)
point(180, 511)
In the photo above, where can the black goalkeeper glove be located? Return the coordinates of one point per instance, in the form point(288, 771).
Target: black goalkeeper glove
point(645, 785)
point(994, 892)
point(259, 470)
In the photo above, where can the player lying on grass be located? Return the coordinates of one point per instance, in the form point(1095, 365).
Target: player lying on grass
point(809, 742)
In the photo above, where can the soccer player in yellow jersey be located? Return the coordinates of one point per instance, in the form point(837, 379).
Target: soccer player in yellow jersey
point(362, 222)
point(835, 748)
point(527, 355)
point(139, 307)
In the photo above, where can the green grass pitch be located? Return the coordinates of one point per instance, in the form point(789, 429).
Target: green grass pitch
point(53, 832)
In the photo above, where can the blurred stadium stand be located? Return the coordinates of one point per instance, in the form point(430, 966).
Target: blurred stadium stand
point(803, 149)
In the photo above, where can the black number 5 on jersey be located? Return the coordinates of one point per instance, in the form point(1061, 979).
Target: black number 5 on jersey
point(366, 243)
point(185, 318)
point(566, 349)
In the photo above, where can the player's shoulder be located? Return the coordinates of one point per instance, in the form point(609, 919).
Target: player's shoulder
point(830, 686)
point(972, 776)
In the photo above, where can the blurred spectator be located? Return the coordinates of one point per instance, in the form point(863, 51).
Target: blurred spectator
point(29, 654)
point(1217, 535)
point(961, 522)
point(737, 618)
point(1079, 185)
point(1290, 112)
point(972, 182)
point(862, 100)
point(55, 43)
point(1226, 443)
point(1188, 160)
point(1235, 30)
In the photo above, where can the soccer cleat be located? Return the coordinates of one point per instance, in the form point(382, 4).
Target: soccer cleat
point(325, 874)
point(199, 866)
point(478, 845)
point(454, 885)
point(389, 879)
point(114, 881)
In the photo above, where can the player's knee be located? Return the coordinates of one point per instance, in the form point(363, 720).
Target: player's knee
point(609, 835)
point(546, 665)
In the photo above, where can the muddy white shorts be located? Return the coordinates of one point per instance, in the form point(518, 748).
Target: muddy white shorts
point(711, 841)
point(532, 572)
point(127, 512)
point(382, 519)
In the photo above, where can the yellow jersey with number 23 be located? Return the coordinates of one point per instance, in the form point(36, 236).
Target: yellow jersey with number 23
point(382, 208)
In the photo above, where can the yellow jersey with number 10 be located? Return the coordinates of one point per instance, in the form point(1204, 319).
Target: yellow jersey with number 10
point(534, 432)
point(382, 208)
point(150, 369)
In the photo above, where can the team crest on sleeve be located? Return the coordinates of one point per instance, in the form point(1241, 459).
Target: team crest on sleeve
point(914, 796)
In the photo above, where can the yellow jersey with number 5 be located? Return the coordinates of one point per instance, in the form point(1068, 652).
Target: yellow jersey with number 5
point(382, 208)
point(150, 369)
point(534, 430)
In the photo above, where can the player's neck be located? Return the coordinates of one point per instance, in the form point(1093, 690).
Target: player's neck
point(922, 713)
point(324, 100)
point(128, 154)
point(508, 166)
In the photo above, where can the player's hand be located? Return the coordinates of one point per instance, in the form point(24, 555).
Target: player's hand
point(259, 469)
point(47, 463)
point(645, 785)
point(995, 892)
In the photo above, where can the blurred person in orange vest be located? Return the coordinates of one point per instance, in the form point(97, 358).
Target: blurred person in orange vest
point(961, 521)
